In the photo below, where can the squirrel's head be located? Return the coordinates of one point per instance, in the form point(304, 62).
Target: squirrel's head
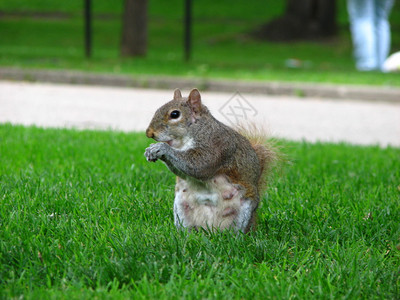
point(171, 121)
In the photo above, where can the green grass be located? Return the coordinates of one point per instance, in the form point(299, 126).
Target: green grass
point(84, 215)
point(222, 47)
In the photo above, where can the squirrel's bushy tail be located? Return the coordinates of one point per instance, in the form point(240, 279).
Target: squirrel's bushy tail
point(266, 149)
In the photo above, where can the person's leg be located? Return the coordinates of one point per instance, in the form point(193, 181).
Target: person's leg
point(382, 29)
point(361, 14)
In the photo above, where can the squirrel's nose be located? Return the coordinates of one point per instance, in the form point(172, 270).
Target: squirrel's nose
point(150, 133)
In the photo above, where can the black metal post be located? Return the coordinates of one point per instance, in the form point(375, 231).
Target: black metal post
point(188, 29)
point(88, 28)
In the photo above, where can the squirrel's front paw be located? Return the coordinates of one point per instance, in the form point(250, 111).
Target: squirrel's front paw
point(155, 151)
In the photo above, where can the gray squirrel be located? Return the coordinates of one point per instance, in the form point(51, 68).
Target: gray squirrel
point(220, 173)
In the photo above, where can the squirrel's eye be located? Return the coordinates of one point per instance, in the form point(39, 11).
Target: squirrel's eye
point(175, 114)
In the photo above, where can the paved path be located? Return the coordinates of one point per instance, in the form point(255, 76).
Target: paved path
point(320, 90)
point(311, 119)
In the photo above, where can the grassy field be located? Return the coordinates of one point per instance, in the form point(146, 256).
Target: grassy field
point(84, 215)
point(222, 45)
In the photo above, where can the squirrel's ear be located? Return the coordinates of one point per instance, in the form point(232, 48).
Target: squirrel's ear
point(194, 101)
point(177, 94)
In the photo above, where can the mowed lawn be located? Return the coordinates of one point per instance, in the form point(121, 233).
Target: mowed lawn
point(49, 34)
point(83, 215)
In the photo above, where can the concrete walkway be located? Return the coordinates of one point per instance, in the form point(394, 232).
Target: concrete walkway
point(272, 88)
point(94, 107)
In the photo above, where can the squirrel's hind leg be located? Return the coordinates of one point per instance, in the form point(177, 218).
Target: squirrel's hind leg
point(246, 216)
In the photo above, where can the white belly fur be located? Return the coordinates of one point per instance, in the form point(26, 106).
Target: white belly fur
point(214, 204)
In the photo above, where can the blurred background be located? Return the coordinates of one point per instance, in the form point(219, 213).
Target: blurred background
point(278, 40)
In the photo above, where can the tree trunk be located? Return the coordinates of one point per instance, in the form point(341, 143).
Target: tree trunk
point(303, 19)
point(134, 28)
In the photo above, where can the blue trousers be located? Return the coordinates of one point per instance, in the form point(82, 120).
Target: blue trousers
point(370, 31)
